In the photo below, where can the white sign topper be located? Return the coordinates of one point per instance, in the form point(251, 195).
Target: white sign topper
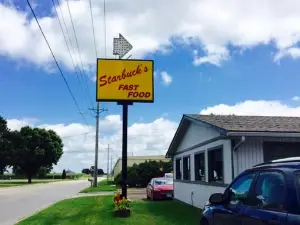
point(121, 46)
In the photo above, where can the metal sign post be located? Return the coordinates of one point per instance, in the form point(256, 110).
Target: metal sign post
point(124, 81)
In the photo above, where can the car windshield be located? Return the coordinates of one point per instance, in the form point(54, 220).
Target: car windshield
point(162, 182)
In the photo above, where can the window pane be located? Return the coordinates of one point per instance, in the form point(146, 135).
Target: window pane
point(269, 191)
point(178, 169)
point(215, 165)
point(199, 160)
point(186, 168)
point(240, 189)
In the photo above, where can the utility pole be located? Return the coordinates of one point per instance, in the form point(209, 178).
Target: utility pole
point(98, 111)
point(107, 162)
point(111, 164)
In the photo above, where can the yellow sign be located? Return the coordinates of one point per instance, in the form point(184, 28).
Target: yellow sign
point(125, 80)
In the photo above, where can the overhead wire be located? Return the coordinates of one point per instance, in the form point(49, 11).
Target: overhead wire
point(66, 42)
point(79, 52)
point(93, 28)
point(60, 70)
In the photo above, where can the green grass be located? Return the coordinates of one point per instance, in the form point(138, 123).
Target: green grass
point(99, 210)
point(102, 186)
point(13, 183)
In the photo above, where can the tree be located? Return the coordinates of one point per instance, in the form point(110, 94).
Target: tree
point(35, 148)
point(86, 171)
point(64, 174)
point(43, 171)
point(5, 146)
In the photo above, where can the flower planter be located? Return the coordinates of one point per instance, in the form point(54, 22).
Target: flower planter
point(122, 213)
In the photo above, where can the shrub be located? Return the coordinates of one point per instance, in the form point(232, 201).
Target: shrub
point(140, 175)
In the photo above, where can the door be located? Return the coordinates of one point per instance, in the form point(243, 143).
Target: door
point(236, 196)
point(267, 203)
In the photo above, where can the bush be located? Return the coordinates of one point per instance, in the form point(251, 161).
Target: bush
point(140, 175)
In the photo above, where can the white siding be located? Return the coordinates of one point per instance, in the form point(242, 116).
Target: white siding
point(247, 155)
point(195, 194)
point(196, 134)
point(250, 153)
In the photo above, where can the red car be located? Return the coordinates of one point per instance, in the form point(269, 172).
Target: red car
point(160, 188)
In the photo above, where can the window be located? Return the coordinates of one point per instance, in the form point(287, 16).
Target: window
point(215, 165)
point(162, 182)
point(269, 191)
point(239, 190)
point(178, 169)
point(186, 168)
point(199, 161)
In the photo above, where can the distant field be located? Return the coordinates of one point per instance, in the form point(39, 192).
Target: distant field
point(21, 182)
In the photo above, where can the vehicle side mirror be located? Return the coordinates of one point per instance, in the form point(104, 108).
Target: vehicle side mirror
point(216, 198)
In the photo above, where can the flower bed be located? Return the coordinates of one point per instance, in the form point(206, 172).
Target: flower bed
point(121, 206)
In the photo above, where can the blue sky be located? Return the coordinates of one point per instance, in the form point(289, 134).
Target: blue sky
point(236, 58)
point(253, 75)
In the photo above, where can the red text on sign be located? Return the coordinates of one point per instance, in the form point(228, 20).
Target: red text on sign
point(128, 87)
point(139, 94)
point(104, 80)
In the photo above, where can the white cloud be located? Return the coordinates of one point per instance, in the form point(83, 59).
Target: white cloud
point(79, 140)
point(296, 98)
point(254, 108)
point(166, 78)
point(150, 25)
point(291, 52)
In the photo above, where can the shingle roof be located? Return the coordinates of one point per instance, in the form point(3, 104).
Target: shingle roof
point(251, 123)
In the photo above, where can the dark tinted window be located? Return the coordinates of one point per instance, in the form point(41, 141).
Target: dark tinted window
point(186, 168)
point(178, 169)
point(269, 191)
point(199, 161)
point(239, 190)
point(215, 165)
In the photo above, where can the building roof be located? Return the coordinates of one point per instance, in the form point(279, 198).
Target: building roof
point(251, 123)
point(231, 125)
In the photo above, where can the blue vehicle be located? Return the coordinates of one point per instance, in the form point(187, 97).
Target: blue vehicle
point(267, 194)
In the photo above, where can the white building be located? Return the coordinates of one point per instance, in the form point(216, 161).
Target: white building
point(208, 151)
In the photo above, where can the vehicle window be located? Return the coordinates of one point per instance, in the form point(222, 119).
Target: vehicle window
point(239, 190)
point(162, 182)
point(269, 191)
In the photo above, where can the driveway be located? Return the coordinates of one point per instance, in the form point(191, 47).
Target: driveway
point(22, 201)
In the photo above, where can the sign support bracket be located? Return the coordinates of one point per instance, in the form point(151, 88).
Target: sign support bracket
point(125, 105)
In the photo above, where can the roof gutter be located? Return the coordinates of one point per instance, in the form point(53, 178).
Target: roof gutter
point(265, 134)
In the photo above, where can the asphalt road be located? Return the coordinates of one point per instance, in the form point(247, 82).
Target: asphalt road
point(22, 201)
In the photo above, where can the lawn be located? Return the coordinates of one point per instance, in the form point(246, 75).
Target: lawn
point(8, 183)
point(103, 185)
point(99, 210)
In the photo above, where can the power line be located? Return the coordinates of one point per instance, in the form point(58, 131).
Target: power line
point(76, 40)
point(104, 21)
point(64, 78)
point(93, 28)
point(77, 75)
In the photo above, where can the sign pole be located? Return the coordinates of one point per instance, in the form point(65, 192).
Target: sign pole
point(124, 150)
point(124, 81)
